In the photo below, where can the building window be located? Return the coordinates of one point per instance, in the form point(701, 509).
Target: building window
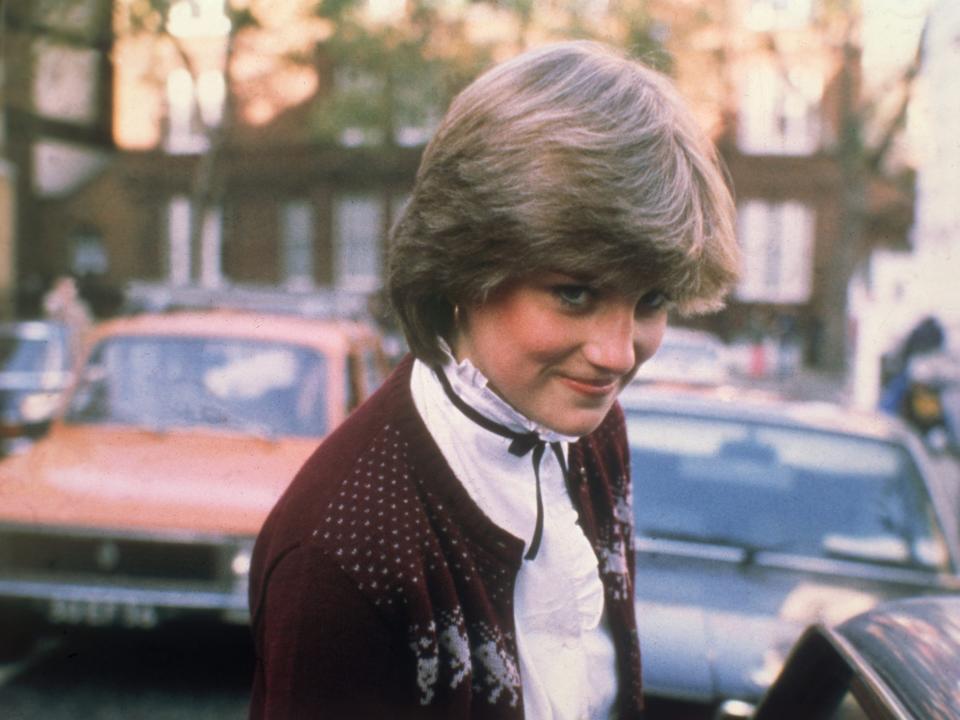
point(357, 232)
point(358, 126)
point(763, 15)
point(357, 113)
point(181, 261)
point(777, 242)
point(66, 82)
point(178, 240)
point(780, 110)
point(211, 248)
point(89, 253)
point(296, 233)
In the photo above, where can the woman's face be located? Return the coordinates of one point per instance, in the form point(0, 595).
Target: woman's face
point(559, 350)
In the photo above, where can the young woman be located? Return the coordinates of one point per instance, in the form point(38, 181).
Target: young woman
point(461, 546)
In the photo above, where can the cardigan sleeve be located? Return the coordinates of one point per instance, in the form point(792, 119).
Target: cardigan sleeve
point(322, 649)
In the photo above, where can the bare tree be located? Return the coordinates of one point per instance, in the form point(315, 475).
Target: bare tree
point(864, 145)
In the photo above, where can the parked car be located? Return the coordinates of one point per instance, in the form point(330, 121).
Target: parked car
point(687, 357)
point(899, 661)
point(755, 519)
point(36, 364)
point(142, 503)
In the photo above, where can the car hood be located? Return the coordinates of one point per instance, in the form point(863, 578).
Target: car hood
point(712, 629)
point(108, 477)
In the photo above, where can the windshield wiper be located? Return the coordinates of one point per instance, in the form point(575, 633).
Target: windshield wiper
point(904, 556)
point(749, 550)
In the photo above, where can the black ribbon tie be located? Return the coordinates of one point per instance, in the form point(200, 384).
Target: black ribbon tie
point(520, 445)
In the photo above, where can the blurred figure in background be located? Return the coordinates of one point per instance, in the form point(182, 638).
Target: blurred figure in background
point(418, 566)
point(923, 385)
point(926, 336)
point(62, 303)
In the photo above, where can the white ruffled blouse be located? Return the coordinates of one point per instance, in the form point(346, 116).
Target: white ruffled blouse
point(567, 662)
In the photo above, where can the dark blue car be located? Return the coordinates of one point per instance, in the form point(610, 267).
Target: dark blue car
point(755, 520)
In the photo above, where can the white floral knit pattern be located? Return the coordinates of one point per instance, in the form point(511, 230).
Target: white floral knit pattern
point(613, 541)
point(487, 661)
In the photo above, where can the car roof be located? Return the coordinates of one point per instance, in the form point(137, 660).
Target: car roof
point(914, 645)
point(746, 405)
point(333, 335)
point(900, 659)
point(690, 336)
point(906, 612)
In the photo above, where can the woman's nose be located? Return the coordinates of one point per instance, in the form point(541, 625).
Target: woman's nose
point(612, 344)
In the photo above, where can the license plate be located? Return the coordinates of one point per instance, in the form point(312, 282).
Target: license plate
point(98, 614)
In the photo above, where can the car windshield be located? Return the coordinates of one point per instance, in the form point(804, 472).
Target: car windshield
point(766, 487)
point(23, 355)
point(226, 383)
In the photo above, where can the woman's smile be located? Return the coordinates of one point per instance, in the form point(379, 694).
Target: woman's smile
point(593, 387)
point(558, 350)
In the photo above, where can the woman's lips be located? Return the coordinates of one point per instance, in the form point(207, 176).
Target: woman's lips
point(600, 387)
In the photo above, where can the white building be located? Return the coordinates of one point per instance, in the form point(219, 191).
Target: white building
point(899, 289)
point(937, 229)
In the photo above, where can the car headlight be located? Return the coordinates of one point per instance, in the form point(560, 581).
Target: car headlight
point(38, 406)
point(240, 564)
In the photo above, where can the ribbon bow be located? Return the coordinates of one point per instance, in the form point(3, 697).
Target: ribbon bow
point(520, 445)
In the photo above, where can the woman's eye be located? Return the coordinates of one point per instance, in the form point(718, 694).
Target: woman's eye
point(577, 296)
point(652, 300)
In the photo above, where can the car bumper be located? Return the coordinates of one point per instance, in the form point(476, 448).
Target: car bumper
point(99, 578)
point(122, 604)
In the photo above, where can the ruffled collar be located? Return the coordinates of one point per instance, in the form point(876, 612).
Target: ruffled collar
point(474, 388)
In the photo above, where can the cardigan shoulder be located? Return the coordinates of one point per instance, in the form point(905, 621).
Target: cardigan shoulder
point(356, 498)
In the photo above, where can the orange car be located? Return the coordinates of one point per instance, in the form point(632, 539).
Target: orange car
point(180, 432)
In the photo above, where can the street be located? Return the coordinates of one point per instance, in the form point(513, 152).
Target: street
point(200, 673)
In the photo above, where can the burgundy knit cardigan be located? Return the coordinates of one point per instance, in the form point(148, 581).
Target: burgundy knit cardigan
point(380, 590)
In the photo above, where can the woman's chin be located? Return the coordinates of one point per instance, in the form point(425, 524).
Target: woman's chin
point(576, 423)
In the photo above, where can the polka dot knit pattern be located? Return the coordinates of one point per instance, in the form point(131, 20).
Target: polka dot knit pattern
point(379, 589)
